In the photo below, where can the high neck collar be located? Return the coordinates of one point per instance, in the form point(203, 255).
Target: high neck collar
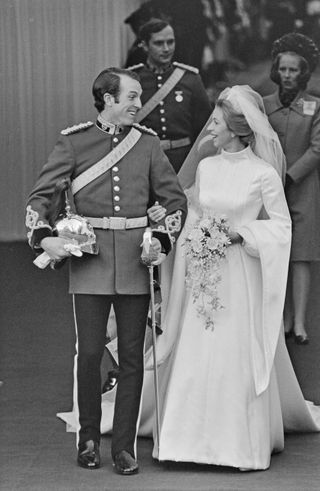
point(233, 156)
point(107, 127)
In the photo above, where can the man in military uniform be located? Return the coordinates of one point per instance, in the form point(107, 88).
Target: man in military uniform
point(117, 169)
point(175, 102)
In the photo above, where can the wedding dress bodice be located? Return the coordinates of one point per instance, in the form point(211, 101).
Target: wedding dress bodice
point(232, 184)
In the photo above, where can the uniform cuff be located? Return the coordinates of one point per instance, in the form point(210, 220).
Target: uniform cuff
point(40, 234)
point(164, 239)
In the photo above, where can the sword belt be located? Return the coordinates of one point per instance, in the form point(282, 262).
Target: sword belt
point(118, 223)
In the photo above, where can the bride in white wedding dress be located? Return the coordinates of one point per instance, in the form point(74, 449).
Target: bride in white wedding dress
point(222, 403)
point(228, 393)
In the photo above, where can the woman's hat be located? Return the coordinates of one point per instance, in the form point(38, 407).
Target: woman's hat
point(297, 43)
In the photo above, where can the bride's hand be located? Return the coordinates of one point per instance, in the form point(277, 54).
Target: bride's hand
point(156, 212)
point(234, 237)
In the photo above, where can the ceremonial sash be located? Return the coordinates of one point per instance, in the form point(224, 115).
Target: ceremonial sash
point(149, 106)
point(106, 162)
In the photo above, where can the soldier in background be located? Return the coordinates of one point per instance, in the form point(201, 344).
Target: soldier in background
point(187, 17)
point(175, 102)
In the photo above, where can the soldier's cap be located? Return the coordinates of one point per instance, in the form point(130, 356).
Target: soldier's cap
point(297, 43)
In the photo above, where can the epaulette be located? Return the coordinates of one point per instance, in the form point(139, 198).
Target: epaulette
point(77, 127)
point(144, 129)
point(186, 67)
point(134, 67)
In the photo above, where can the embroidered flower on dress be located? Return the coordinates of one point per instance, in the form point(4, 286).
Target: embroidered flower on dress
point(205, 247)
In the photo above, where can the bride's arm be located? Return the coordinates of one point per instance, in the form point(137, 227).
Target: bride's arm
point(276, 229)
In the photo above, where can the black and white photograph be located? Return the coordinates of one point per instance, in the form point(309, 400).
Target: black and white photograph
point(160, 245)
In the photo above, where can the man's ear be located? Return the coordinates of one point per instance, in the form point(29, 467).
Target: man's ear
point(144, 46)
point(108, 99)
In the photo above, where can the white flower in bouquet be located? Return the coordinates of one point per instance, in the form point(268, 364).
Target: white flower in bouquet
point(206, 245)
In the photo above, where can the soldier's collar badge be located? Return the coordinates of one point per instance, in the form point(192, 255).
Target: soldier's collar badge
point(107, 127)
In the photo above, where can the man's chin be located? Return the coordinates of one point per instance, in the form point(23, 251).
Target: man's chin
point(166, 61)
point(128, 121)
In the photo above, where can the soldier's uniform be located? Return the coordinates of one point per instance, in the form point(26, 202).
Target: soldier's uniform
point(116, 275)
point(181, 115)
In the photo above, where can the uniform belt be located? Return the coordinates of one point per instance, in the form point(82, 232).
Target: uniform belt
point(170, 144)
point(117, 223)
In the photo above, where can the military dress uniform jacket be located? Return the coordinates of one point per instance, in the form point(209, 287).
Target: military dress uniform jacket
point(183, 112)
point(298, 128)
point(142, 176)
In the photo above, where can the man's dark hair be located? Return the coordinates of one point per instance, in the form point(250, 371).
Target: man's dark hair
point(108, 81)
point(150, 27)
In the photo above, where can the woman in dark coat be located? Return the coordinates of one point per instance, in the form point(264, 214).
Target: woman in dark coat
point(295, 116)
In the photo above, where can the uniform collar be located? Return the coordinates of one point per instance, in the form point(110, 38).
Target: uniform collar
point(159, 70)
point(107, 127)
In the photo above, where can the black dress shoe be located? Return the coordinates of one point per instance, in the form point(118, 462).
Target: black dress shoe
point(125, 464)
point(301, 339)
point(89, 455)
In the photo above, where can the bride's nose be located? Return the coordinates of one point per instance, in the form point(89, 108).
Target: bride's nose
point(210, 126)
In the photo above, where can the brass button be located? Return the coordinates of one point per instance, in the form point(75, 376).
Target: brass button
point(163, 120)
point(117, 198)
point(161, 111)
point(117, 208)
point(116, 188)
point(161, 103)
point(116, 178)
point(164, 128)
point(115, 140)
point(115, 168)
point(159, 77)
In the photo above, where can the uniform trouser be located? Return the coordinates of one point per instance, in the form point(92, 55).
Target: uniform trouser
point(92, 312)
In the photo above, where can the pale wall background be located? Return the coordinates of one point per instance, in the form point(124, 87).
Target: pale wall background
point(50, 53)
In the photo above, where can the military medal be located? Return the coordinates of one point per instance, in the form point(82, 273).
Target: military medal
point(179, 96)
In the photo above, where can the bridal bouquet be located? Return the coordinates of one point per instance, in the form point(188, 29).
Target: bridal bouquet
point(206, 245)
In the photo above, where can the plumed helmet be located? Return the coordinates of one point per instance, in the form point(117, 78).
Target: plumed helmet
point(297, 43)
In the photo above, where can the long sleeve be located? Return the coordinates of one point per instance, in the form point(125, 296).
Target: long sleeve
point(310, 160)
point(59, 165)
point(270, 240)
point(168, 192)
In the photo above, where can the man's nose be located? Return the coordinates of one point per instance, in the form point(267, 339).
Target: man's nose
point(138, 103)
